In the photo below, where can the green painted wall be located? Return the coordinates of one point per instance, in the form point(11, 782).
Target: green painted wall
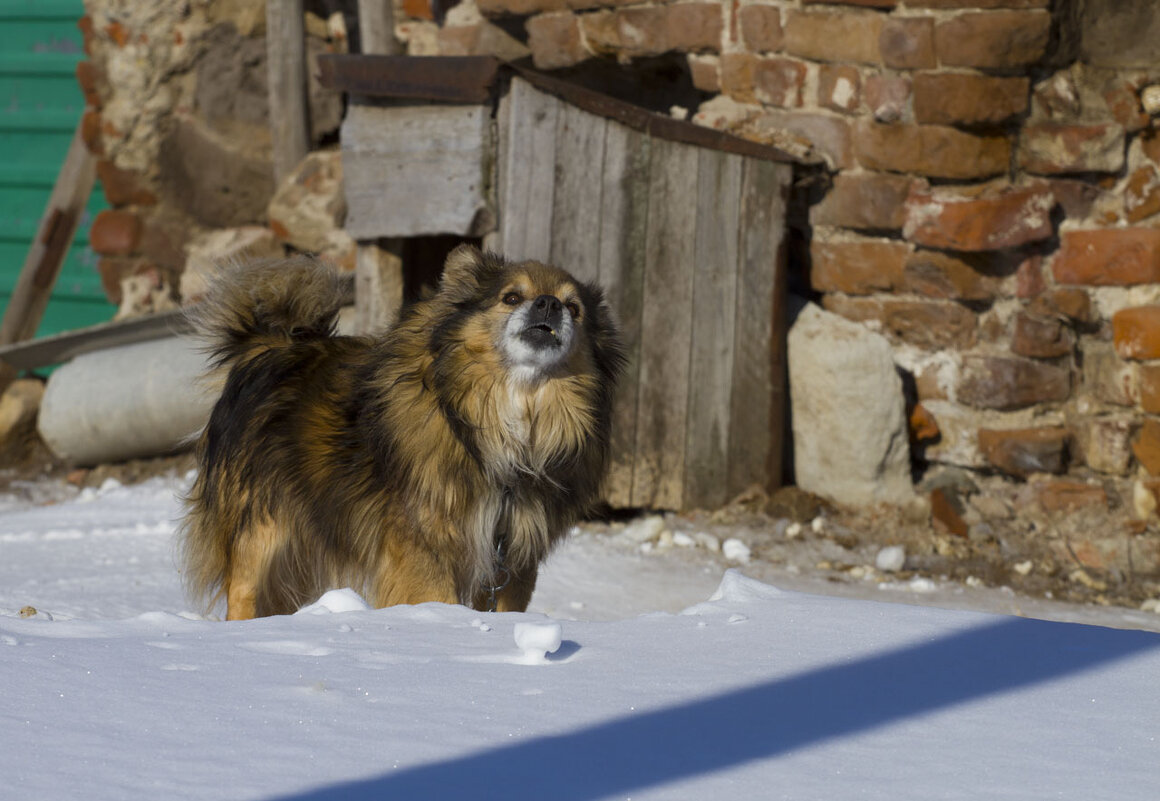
point(40, 106)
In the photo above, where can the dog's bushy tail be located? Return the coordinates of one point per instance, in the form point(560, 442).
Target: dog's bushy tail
point(254, 306)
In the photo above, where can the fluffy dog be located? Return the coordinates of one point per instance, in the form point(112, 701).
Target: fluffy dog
point(440, 461)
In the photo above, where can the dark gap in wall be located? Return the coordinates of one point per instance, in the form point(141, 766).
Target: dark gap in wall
point(656, 83)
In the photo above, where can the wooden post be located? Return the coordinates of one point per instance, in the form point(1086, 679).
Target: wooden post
point(376, 28)
point(378, 265)
point(378, 287)
point(286, 64)
point(54, 236)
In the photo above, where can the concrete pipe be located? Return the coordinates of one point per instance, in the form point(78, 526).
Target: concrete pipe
point(132, 401)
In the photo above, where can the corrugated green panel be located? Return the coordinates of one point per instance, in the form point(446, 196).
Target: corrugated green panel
point(68, 11)
point(40, 105)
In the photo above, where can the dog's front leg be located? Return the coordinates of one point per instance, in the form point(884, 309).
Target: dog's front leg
point(516, 596)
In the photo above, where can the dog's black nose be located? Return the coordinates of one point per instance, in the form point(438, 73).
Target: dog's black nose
point(547, 304)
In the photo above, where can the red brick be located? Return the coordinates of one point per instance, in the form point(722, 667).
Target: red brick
point(1146, 446)
point(867, 200)
point(1142, 194)
point(90, 77)
point(936, 274)
point(867, 3)
point(118, 33)
point(761, 27)
point(946, 512)
point(114, 269)
point(1136, 332)
point(1054, 148)
point(123, 187)
point(520, 7)
point(1148, 386)
point(931, 150)
point(115, 233)
point(953, 98)
point(907, 43)
point(977, 3)
point(554, 40)
point(88, 34)
point(1025, 451)
point(841, 36)
point(1109, 257)
point(1029, 279)
point(1124, 104)
point(1077, 198)
point(652, 30)
point(856, 267)
point(1011, 382)
point(1066, 496)
point(736, 76)
point(705, 73)
point(1104, 443)
point(779, 81)
point(995, 219)
point(1150, 144)
point(887, 96)
point(839, 87)
point(419, 9)
point(1041, 337)
point(91, 131)
point(1106, 376)
point(1071, 302)
point(927, 324)
point(993, 39)
point(923, 425)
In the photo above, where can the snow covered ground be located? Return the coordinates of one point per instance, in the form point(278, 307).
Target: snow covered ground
point(114, 690)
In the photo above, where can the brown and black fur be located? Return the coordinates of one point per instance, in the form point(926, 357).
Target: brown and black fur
point(396, 464)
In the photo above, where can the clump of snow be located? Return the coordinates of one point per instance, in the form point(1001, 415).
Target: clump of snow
point(735, 550)
point(537, 640)
point(334, 602)
point(644, 529)
point(891, 559)
point(683, 540)
point(707, 541)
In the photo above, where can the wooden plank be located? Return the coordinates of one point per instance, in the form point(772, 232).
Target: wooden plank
point(286, 77)
point(54, 236)
point(416, 170)
point(470, 79)
point(378, 277)
point(623, 223)
point(444, 79)
point(575, 241)
point(376, 28)
point(713, 328)
point(759, 369)
point(662, 409)
point(527, 154)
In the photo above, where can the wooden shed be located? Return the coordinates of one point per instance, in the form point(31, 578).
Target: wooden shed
point(683, 226)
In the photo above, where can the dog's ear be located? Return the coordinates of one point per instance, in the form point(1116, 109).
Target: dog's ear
point(460, 270)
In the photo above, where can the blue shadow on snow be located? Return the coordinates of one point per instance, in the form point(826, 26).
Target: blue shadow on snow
point(653, 748)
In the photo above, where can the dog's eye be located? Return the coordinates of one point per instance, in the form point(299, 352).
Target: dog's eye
point(512, 298)
point(573, 308)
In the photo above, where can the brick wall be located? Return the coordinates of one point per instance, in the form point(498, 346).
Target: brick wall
point(993, 202)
